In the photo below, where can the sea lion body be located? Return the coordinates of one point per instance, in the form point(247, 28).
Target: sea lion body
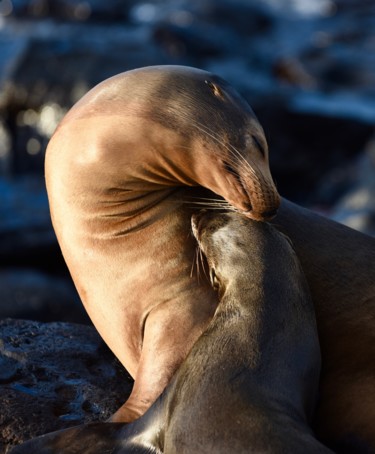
point(121, 172)
point(250, 382)
point(253, 375)
point(339, 264)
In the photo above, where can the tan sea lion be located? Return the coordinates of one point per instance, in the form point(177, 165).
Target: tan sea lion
point(120, 173)
point(250, 382)
point(339, 264)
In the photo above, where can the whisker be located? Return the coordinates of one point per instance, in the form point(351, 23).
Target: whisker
point(212, 207)
point(215, 199)
point(198, 259)
point(235, 153)
point(220, 208)
point(235, 158)
point(194, 262)
point(202, 262)
point(208, 204)
point(248, 173)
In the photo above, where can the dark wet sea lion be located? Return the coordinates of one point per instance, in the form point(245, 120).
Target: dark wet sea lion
point(120, 171)
point(253, 374)
point(339, 264)
point(250, 382)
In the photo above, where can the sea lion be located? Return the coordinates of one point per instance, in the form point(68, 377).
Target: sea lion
point(250, 382)
point(120, 173)
point(253, 375)
point(339, 264)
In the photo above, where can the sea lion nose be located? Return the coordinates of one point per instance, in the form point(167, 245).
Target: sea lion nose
point(261, 216)
point(264, 205)
point(267, 215)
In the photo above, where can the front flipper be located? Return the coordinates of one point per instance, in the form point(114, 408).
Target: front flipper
point(93, 438)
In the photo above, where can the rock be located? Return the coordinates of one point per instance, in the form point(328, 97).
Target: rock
point(201, 40)
point(23, 205)
point(34, 281)
point(73, 10)
point(26, 235)
point(31, 294)
point(58, 64)
point(356, 207)
point(54, 376)
point(305, 147)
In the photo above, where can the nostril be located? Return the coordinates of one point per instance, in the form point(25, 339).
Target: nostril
point(261, 215)
point(269, 214)
point(248, 206)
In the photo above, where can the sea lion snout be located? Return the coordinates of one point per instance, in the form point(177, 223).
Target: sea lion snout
point(263, 197)
point(250, 187)
point(261, 216)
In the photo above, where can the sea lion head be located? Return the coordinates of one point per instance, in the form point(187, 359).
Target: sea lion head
point(241, 251)
point(181, 126)
point(228, 148)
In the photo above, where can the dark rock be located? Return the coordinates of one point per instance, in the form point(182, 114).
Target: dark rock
point(356, 207)
point(54, 376)
point(306, 147)
point(201, 40)
point(26, 235)
point(57, 64)
point(248, 18)
point(205, 30)
point(29, 294)
point(73, 10)
point(23, 205)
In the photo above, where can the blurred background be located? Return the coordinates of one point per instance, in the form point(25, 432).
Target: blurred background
point(307, 67)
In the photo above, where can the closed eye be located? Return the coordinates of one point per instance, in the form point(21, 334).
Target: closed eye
point(214, 280)
point(259, 145)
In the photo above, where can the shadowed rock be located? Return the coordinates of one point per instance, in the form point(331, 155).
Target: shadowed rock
point(54, 376)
